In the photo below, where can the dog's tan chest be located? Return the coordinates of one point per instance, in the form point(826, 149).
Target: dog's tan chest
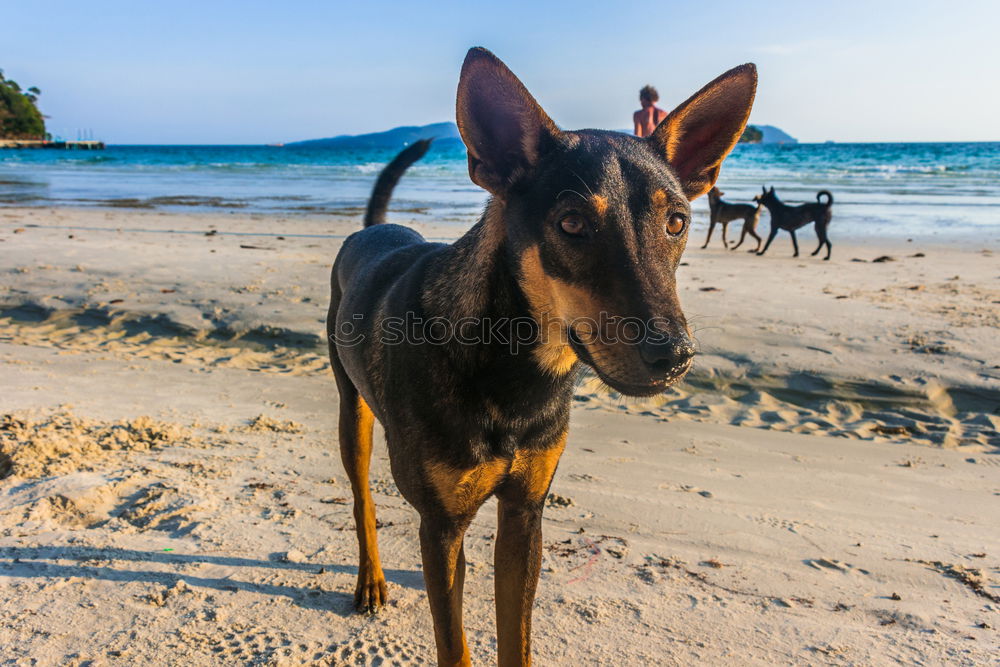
point(461, 491)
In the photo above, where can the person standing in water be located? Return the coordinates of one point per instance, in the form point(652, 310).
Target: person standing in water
point(649, 116)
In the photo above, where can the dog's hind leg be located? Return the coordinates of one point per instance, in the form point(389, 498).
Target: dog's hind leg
point(795, 243)
point(770, 237)
point(743, 235)
point(819, 247)
point(748, 225)
point(823, 240)
point(356, 422)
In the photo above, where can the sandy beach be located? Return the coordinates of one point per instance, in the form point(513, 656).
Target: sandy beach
point(823, 489)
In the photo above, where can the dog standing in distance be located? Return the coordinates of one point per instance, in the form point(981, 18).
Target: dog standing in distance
point(791, 218)
point(723, 212)
point(581, 227)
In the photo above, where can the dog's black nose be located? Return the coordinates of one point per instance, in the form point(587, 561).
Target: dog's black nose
point(668, 353)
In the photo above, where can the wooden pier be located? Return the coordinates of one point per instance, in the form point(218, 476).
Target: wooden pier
point(61, 145)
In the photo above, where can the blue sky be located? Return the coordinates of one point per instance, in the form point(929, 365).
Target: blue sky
point(257, 72)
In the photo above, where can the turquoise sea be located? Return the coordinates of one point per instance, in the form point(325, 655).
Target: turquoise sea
point(942, 190)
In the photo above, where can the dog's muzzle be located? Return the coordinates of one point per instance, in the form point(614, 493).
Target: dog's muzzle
point(667, 355)
point(661, 363)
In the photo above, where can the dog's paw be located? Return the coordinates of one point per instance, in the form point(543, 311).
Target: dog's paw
point(371, 593)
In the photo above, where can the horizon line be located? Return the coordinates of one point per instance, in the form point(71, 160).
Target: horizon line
point(775, 143)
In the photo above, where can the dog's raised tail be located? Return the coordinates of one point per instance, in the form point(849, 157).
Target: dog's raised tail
point(387, 180)
point(829, 197)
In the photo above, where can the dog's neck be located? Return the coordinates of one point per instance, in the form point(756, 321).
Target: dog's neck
point(472, 278)
point(476, 279)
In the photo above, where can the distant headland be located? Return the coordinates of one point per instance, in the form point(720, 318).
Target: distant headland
point(447, 133)
point(22, 125)
point(766, 134)
point(19, 114)
point(397, 137)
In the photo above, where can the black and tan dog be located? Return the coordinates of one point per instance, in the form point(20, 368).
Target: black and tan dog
point(581, 227)
point(723, 212)
point(791, 218)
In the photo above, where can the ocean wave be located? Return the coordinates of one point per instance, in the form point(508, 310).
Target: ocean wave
point(908, 169)
point(909, 187)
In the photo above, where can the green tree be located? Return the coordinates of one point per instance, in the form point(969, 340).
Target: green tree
point(19, 115)
point(752, 135)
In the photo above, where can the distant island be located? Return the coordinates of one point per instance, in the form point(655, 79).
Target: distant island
point(766, 134)
point(397, 137)
point(447, 133)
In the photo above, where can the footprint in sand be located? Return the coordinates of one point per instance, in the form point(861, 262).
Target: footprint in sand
point(250, 645)
point(833, 565)
point(364, 651)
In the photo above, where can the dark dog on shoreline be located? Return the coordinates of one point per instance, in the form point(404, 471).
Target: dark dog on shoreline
point(580, 226)
point(723, 212)
point(791, 218)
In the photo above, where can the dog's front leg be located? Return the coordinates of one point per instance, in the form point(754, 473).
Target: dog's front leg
point(711, 227)
point(443, 550)
point(518, 552)
point(518, 560)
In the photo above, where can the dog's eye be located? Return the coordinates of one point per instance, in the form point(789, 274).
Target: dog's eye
point(675, 223)
point(573, 225)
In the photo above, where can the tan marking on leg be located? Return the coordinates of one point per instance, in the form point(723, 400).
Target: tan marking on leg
point(461, 492)
point(355, 450)
point(366, 421)
point(532, 469)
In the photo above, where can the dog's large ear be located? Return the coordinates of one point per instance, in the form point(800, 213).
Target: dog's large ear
point(698, 135)
point(504, 129)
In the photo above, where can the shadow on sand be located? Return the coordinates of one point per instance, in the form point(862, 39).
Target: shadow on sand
point(28, 562)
